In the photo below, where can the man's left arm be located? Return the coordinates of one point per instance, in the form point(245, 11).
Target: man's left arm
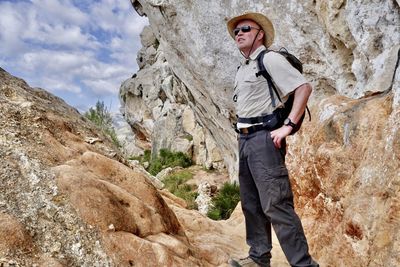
point(301, 95)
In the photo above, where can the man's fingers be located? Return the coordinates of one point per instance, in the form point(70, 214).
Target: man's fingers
point(276, 139)
point(277, 142)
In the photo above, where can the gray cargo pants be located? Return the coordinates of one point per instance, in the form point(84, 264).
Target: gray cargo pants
point(267, 198)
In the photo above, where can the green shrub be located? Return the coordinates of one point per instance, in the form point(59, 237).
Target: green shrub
point(155, 166)
point(102, 118)
point(166, 159)
point(173, 159)
point(176, 184)
point(224, 202)
point(146, 157)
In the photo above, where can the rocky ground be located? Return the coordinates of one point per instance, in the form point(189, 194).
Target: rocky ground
point(68, 197)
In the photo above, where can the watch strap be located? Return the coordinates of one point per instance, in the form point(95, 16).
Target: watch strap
point(288, 122)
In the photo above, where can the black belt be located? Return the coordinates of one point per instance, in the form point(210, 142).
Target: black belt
point(254, 120)
point(252, 129)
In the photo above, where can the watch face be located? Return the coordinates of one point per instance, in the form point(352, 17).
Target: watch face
point(286, 121)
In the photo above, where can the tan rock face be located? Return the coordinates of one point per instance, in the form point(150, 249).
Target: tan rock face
point(40, 131)
point(67, 197)
point(13, 236)
point(347, 182)
point(127, 202)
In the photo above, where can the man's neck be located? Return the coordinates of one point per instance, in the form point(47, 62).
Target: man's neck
point(247, 52)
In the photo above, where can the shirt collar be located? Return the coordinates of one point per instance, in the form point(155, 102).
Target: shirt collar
point(255, 54)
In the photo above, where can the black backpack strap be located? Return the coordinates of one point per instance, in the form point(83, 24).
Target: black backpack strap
point(263, 71)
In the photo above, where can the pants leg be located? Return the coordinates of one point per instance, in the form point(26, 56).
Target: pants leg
point(258, 226)
point(269, 173)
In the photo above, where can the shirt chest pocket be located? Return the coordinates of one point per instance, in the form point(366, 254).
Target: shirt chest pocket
point(250, 76)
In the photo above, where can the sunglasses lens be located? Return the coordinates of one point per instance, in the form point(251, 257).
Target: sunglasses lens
point(246, 28)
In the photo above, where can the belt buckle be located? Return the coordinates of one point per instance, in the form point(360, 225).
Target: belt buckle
point(244, 130)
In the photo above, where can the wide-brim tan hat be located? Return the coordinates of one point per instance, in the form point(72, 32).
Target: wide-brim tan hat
point(260, 19)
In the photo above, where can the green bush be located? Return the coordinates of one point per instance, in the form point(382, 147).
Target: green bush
point(102, 118)
point(172, 159)
point(163, 160)
point(167, 158)
point(224, 202)
point(146, 157)
point(155, 166)
point(176, 184)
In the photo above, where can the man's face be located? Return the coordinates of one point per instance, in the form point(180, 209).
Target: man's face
point(244, 40)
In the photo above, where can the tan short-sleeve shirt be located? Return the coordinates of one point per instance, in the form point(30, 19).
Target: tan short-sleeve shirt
point(251, 93)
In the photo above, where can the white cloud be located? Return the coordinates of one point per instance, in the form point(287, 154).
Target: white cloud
point(62, 35)
point(101, 86)
point(58, 84)
point(59, 11)
point(76, 48)
point(110, 19)
point(54, 61)
point(11, 26)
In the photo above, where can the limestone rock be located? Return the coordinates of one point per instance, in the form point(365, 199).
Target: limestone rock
point(348, 48)
point(155, 104)
point(203, 199)
point(165, 172)
point(130, 145)
point(344, 164)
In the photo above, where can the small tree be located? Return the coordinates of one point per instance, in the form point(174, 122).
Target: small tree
point(102, 118)
point(100, 115)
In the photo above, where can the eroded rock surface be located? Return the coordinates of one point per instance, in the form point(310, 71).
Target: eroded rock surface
point(67, 201)
point(344, 164)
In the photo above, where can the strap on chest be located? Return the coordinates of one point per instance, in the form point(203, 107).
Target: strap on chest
point(263, 71)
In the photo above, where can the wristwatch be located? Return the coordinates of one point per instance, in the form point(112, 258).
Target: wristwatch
point(288, 122)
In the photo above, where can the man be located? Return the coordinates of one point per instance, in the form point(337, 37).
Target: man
point(265, 190)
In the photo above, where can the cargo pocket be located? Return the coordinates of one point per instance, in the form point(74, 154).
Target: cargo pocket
point(273, 194)
point(279, 188)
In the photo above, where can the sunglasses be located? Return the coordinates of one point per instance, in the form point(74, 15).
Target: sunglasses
point(246, 28)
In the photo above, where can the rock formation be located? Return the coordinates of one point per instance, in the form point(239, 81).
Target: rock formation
point(155, 104)
point(344, 164)
point(68, 197)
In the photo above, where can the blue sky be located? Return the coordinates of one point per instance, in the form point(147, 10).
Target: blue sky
point(79, 50)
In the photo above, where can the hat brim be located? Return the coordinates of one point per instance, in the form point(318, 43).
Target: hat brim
point(265, 24)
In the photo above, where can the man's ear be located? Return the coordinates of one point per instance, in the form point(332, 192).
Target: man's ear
point(260, 35)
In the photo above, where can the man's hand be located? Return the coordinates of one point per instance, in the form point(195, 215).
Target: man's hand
point(301, 95)
point(279, 134)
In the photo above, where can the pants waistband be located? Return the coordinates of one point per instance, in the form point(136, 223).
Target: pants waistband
point(252, 129)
